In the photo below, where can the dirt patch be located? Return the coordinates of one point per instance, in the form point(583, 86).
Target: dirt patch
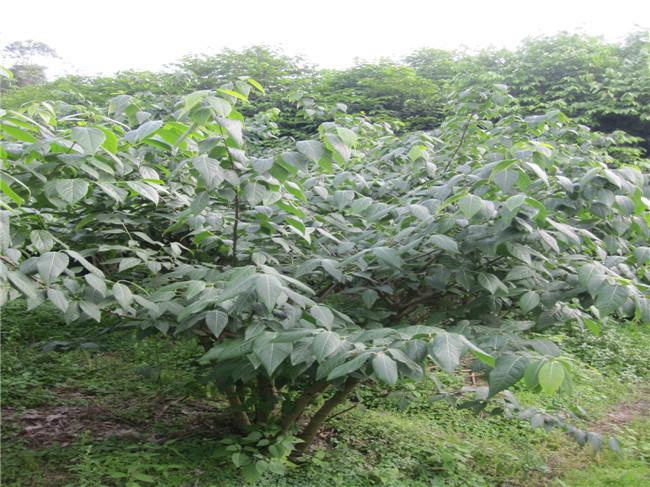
point(78, 414)
point(41, 427)
point(625, 412)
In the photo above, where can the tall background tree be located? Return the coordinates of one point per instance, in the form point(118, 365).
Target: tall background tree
point(25, 61)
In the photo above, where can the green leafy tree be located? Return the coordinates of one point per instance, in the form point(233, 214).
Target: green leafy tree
point(603, 85)
point(435, 64)
point(26, 71)
point(95, 92)
point(271, 68)
point(286, 79)
point(386, 91)
point(357, 256)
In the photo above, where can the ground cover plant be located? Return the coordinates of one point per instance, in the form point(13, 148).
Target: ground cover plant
point(289, 277)
point(132, 410)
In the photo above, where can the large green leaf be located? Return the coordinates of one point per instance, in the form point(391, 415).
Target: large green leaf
point(71, 190)
point(57, 297)
point(269, 288)
point(271, 353)
point(254, 192)
point(143, 131)
point(145, 190)
point(241, 284)
point(234, 128)
point(342, 152)
point(349, 367)
point(17, 133)
point(324, 316)
point(343, 198)
point(325, 344)
point(89, 138)
point(492, 283)
point(610, 297)
point(447, 349)
point(508, 370)
point(347, 136)
point(5, 232)
point(592, 277)
point(92, 310)
point(385, 368)
point(531, 374)
point(470, 205)
point(209, 170)
point(128, 263)
point(123, 295)
point(118, 194)
point(51, 264)
point(42, 240)
point(97, 283)
point(221, 107)
point(388, 256)
point(312, 149)
point(216, 322)
point(23, 283)
point(445, 243)
point(229, 349)
point(642, 254)
point(85, 263)
point(6, 189)
point(551, 376)
point(528, 301)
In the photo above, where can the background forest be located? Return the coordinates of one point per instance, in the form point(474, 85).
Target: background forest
point(247, 270)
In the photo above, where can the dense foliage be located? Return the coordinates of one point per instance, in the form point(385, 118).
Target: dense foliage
point(603, 85)
point(387, 91)
point(358, 254)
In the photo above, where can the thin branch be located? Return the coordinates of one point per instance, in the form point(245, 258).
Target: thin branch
point(420, 256)
point(342, 412)
point(235, 234)
point(328, 290)
point(460, 144)
point(492, 261)
point(387, 297)
point(189, 130)
point(410, 305)
point(235, 230)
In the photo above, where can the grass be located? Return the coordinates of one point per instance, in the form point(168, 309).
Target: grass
point(609, 469)
point(131, 413)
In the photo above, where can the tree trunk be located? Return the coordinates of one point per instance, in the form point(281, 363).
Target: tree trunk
point(308, 434)
point(301, 404)
point(267, 398)
point(240, 390)
point(239, 415)
point(205, 341)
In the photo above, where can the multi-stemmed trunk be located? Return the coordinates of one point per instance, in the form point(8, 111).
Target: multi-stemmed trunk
point(268, 410)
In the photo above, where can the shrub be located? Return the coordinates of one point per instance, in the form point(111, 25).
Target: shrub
point(358, 256)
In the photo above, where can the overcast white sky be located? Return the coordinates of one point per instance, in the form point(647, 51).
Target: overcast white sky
point(94, 36)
